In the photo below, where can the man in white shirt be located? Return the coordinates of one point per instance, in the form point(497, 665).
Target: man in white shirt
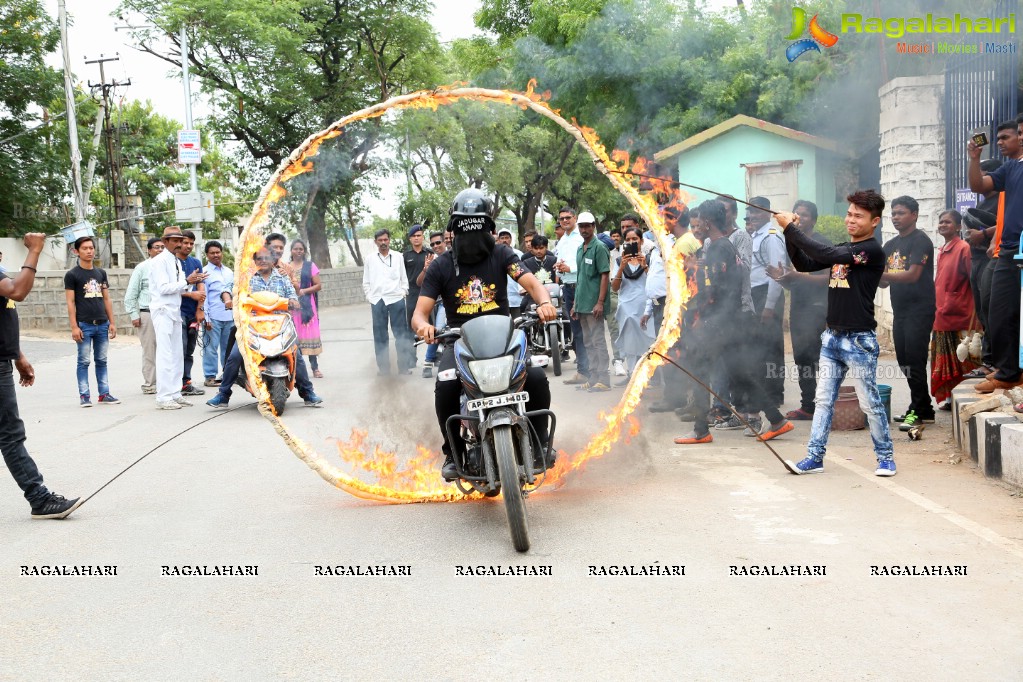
point(136, 304)
point(504, 236)
point(167, 282)
point(566, 251)
point(385, 284)
point(219, 320)
point(768, 302)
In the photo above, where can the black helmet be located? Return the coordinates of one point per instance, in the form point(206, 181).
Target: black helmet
point(471, 208)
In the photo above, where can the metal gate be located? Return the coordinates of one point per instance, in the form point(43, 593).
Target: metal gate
point(980, 92)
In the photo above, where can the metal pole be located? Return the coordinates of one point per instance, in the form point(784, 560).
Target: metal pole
point(188, 99)
point(72, 117)
point(194, 183)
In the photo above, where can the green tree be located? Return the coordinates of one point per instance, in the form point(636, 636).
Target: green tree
point(31, 171)
point(276, 72)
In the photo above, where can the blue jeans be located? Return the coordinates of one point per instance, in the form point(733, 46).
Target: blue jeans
point(214, 351)
point(95, 338)
point(854, 354)
point(582, 364)
point(233, 366)
point(12, 440)
point(395, 314)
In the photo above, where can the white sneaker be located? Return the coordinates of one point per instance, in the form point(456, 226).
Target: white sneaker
point(167, 405)
point(619, 368)
point(181, 402)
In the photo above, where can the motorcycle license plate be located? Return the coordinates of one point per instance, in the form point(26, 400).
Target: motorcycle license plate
point(496, 401)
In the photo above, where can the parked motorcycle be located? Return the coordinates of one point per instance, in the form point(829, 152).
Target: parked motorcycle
point(503, 453)
point(548, 339)
point(274, 340)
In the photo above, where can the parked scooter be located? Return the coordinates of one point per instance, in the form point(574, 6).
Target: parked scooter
point(274, 341)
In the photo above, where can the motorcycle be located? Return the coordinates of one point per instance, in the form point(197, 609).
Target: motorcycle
point(548, 339)
point(503, 453)
point(274, 340)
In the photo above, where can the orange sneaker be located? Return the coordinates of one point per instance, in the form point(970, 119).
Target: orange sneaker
point(693, 439)
point(785, 427)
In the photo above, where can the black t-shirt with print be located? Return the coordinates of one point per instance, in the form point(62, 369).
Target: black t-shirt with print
point(856, 269)
point(9, 348)
point(88, 286)
point(477, 289)
point(721, 292)
point(808, 295)
point(543, 270)
point(902, 253)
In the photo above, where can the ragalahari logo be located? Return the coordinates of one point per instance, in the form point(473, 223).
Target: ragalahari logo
point(818, 36)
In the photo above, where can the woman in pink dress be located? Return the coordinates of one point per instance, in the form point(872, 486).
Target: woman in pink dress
point(307, 318)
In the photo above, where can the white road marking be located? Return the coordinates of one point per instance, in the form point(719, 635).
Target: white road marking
point(949, 515)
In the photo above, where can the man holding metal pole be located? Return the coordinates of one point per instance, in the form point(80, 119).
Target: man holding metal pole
point(45, 504)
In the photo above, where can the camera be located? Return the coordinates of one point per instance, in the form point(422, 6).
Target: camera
point(630, 249)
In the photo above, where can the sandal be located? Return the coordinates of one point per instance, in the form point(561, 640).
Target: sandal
point(318, 374)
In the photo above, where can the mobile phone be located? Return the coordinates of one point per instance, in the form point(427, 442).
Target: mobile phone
point(630, 249)
point(980, 138)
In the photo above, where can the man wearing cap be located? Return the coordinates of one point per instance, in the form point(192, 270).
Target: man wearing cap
point(415, 261)
point(504, 236)
point(167, 282)
point(565, 250)
point(593, 267)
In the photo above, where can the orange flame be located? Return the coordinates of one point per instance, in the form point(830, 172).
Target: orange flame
point(418, 480)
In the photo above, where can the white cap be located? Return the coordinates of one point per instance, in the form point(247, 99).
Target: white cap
point(504, 230)
point(586, 217)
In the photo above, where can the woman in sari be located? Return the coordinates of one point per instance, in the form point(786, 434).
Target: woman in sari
point(307, 318)
point(629, 280)
point(954, 319)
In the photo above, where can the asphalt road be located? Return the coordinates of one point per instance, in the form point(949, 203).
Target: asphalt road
point(229, 493)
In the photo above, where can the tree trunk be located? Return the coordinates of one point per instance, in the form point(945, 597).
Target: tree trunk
point(316, 227)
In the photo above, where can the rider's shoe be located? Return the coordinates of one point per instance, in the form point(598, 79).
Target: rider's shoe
point(448, 471)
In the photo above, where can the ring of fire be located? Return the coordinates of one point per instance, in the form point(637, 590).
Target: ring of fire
point(418, 482)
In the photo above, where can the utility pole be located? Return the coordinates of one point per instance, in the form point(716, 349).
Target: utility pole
point(72, 117)
point(114, 170)
point(194, 183)
point(113, 160)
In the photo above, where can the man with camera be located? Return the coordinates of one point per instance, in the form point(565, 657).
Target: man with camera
point(1003, 326)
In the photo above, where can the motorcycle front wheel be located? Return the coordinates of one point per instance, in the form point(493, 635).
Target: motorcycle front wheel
point(514, 500)
point(555, 347)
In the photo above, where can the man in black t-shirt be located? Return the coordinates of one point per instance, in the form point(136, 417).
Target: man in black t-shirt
point(91, 314)
point(45, 505)
point(719, 329)
point(1003, 311)
point(415, 262)
point(540, 263)
point(807, 314)
point(472, 280)
point(849, 344)
point(910, 273)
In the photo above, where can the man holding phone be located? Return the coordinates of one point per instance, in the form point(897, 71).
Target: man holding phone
point(192, 315)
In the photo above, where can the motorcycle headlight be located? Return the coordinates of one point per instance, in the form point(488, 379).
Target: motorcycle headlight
point(494, 375)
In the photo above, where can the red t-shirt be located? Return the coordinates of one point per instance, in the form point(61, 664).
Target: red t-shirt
point(952, 291)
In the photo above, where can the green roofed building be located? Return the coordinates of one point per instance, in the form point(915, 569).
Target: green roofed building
point(747, 157)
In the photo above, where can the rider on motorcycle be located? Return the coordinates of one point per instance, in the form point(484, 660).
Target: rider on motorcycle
point(472, 280)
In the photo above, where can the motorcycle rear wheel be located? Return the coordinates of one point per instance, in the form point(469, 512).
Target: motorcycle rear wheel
point(514, 500)
point(552, 343)
point(279, 393)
